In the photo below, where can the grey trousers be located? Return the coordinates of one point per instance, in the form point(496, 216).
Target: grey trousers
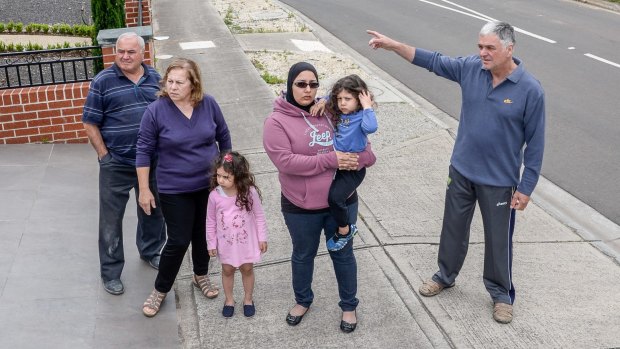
point(498, 220)
point(116, 180)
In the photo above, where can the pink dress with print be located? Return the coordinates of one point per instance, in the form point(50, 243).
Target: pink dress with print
point(233, 231)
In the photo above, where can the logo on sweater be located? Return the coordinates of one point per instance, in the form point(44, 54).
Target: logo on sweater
point(503, 203)
point(507, 101)
point(321, 138)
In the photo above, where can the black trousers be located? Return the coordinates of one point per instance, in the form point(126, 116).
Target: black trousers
point(498, 220)
point(185, 216)
point(116, 179)
point(344, 185)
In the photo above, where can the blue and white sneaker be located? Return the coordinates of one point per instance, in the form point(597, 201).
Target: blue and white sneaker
point(338, 242)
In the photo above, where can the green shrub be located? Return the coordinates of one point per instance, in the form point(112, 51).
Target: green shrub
point(228, 17)
point(18, 47)
point(272, 79)
point(10, 26)
point(45, 28)
point(257, 64)
point(2, 27)
point(30, 28)
point(33, 47)
point(19, 27)
point(106, 14)
point(65, 29)
point(83, 30)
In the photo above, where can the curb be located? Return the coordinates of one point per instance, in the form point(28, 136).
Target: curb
point(602, 4)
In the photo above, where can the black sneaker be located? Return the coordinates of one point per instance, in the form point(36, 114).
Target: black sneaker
point(114, 287)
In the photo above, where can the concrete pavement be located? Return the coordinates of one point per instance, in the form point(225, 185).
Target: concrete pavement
point(567, 277)
point(51, 294)
point(565, 285)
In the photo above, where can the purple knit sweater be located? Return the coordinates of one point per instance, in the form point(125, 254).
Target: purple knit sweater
point(186, 148)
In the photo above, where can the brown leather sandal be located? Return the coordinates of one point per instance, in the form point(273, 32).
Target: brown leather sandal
point(151, 307)
point(209, 289)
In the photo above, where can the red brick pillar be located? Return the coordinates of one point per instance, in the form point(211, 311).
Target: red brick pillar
point(132, 13)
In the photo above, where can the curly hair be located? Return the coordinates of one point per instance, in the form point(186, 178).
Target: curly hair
point(352, 84)
point(237, 165)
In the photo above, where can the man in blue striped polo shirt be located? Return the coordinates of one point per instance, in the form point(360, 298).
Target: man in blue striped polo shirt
point(502, 126)
point(113, 110)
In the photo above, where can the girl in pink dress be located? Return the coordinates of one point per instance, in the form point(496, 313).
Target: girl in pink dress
point(236, 227)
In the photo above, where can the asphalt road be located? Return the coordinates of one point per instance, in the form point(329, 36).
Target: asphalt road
point(566, 39)
point(45, 11)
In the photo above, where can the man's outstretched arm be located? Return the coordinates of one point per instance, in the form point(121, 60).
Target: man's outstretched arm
point(381, 41)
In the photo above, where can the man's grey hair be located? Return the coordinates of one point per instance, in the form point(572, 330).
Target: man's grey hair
point(131, 35)
point(504, 31)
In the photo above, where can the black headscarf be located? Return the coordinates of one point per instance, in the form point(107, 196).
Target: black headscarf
point(295, 70)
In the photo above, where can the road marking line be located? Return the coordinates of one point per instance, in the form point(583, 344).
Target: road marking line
point(602, 59)
point(485, 18)
point(468, 9)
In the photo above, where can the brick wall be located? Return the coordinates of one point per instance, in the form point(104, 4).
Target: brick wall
point(54, 113)
point(132, 11)
point(43, 114)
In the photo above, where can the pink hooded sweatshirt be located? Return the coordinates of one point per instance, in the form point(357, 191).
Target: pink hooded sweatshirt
point(301, 147)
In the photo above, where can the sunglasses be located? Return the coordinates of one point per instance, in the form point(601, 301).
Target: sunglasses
point(303, 84)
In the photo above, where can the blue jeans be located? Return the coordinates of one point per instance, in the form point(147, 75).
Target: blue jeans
point(116, 179)
point(305, 230)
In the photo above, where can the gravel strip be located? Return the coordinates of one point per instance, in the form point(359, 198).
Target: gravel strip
point(244, 14)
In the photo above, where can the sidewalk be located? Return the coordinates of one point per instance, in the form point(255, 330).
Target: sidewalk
point(565, 287)
point(51, 295)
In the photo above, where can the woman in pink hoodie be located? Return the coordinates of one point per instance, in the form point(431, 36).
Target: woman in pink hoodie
point(301, 147)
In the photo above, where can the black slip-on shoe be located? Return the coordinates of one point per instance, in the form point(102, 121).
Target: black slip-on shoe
point(348, 327)
point(295, 320)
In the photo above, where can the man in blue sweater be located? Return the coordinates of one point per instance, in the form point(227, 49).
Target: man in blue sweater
point(502, 126)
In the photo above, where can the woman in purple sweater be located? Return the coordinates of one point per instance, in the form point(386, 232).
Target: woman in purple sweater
point(301, 147)
point(186, 131)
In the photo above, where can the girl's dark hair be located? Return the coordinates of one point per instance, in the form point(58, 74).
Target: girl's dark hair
point(350, 83)
point(234, 163)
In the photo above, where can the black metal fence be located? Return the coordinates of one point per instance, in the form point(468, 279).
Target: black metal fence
point(48, 67)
